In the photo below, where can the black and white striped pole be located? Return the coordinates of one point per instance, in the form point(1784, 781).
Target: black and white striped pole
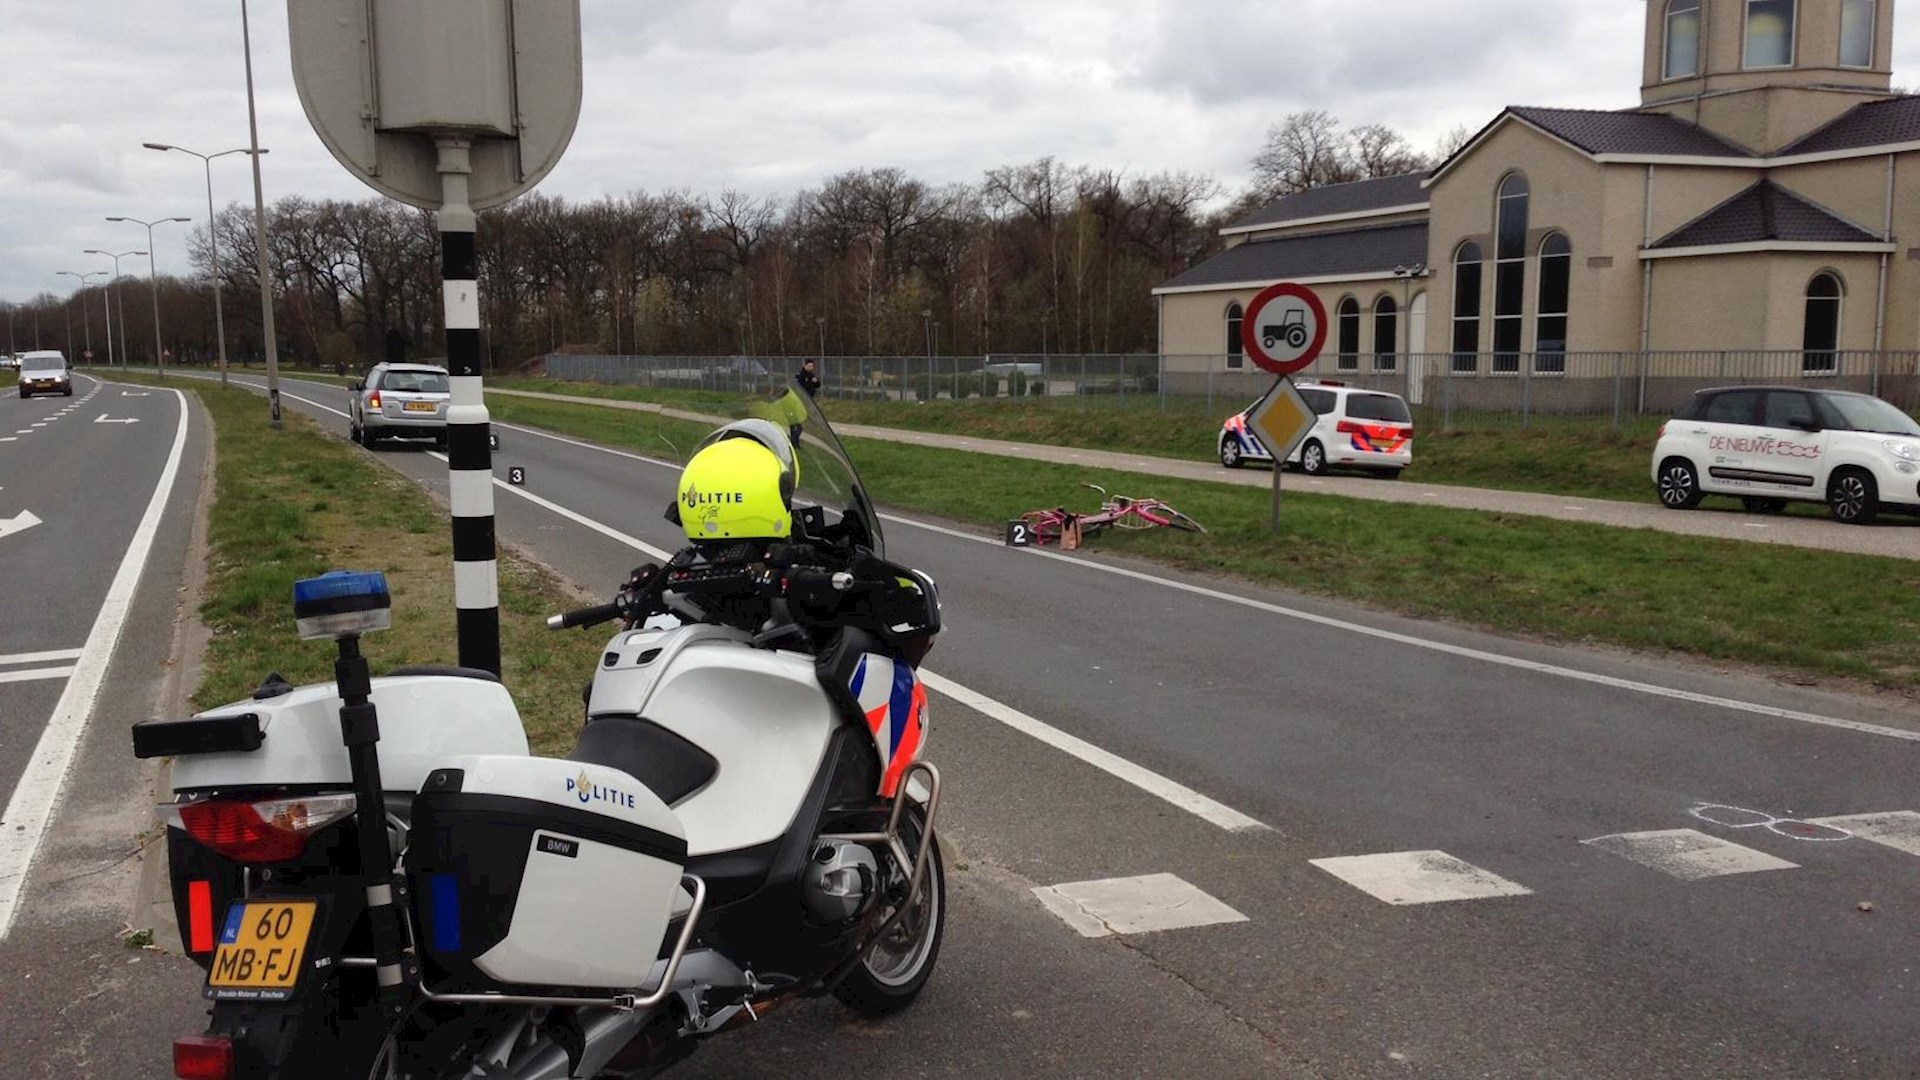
point(476, 577)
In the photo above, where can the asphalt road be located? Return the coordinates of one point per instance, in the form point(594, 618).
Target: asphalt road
point(1472, 856)
point(78, 1001)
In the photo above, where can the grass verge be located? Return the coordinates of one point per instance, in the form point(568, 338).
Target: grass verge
point(1578, 456)
point(298, 502)
point(1816, 614)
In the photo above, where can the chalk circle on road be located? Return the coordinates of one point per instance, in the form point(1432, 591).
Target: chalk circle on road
point(1284, 328)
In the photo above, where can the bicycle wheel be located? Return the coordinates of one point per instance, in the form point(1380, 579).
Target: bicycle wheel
point(1159, 513)
point(1046, 525)
point(1178, 520)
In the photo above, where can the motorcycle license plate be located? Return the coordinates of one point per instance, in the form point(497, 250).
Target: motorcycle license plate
point(418, 406)
point(260, 949)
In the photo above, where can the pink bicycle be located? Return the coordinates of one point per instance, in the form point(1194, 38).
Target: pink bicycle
point(1067, 528)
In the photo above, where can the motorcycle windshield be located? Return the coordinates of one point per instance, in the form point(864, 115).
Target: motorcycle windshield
point(826, 476)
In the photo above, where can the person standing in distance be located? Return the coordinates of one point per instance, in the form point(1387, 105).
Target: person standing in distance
point(809, 378)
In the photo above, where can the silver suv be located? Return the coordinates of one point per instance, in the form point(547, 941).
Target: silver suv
point(400, 401)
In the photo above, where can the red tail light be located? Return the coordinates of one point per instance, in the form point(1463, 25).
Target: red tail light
point(203, 1057)
point(268, 831)
point(373, 400)
point(1348, 427)
point(200, 916)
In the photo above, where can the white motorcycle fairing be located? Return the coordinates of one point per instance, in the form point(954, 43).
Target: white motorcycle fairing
point(425, 722)
point(760, 713)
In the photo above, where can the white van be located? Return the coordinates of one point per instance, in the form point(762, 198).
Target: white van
point(45, 372)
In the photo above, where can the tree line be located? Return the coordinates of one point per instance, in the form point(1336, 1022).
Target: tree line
point(1041, 256)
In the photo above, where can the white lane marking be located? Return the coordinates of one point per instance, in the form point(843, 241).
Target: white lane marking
point(1419, 877)
point(1135, 905)
point(39, 657)
point(1898, 829)
point(37, 794)
point(1145, 779)
point(104, 419)
point(19, 522)
point(1688, 854)
point(35, 674)
point(9, 438)
point(1534, 666)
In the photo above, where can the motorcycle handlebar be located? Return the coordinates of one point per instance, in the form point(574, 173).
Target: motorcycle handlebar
point(584, 617)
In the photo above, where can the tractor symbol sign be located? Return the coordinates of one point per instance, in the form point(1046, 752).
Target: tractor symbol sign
point(1292, 329)
point(1284, 329)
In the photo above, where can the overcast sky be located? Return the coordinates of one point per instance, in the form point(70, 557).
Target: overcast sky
point(771, 96)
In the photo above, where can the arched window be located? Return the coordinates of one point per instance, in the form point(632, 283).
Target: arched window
point(1769, 33)
point(1349, 356)
point(1466, 308)
point(1856, 33)
point(1550, 317)
point(1820, 343)
point(1510, 273)
point(1236, 355)
point(1683, 39)
point(1386, 334)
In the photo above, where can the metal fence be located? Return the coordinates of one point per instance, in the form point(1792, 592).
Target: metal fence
point(1447, 388)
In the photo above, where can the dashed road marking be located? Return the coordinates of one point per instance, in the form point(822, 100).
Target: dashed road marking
point(1419, 877)
point(1898, 829)
point(39, 657)
point(36, 674)
point(1688, 854)
point(1135, 905)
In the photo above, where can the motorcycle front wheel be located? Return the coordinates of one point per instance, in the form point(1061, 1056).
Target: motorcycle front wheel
point(897, 967)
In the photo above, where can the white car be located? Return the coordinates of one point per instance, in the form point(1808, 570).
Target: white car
point(1771, 444)
point(1362, 429)
point(45, 372)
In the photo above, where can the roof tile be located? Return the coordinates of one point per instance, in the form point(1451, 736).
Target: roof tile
point(1601, 132)
point(1875, 123)
point(1355, 198)
point(1766, 211)
point(1326, 254)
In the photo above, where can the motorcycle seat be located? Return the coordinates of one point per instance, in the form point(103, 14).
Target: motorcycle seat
point(669, 766)
point(443, 669)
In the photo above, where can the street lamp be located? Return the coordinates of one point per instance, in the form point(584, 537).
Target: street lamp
point(153, 285)
point(1407, 274)
point(113, 295)
point(213, 241)
point(86, 324)
point(260, 234)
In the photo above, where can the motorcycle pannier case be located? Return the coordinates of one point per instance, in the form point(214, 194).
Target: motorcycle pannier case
point(540, 872)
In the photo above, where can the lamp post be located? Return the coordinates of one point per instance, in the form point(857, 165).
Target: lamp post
point(260, 233)
point(114, 301)
point(1407, 274)
point(86, 324)
point(153, 284)
point(213, 242)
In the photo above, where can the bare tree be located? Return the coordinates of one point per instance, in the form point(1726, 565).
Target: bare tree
point(1451, 143)
point(1379, 151)
point(1304, 150)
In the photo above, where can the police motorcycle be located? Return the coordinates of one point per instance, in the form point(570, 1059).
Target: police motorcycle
point(379, 880)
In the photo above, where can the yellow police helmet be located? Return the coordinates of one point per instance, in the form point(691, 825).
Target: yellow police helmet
point(736, 489)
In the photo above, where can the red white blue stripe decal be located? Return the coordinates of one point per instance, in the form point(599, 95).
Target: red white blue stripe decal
point(894, 702)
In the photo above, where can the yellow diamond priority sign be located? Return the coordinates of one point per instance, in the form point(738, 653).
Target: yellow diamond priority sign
point(1281, 420)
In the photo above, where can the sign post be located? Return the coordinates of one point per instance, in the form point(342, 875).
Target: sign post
point(1284, 329)
point(452, 106)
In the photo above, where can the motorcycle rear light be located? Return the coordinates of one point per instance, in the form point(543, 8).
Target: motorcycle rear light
point(267, 831)
point(200, 916)
point(203, 1057)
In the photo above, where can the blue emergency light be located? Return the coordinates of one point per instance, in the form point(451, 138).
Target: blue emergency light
point(341, 604)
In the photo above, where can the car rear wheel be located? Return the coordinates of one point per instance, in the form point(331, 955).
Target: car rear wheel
point(1755, 505)
point(1853, 497)
point(1230, 453)
point(1679, 484)
point(1313, 458)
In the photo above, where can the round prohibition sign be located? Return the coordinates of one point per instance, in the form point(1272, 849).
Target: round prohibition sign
point(1284, 329)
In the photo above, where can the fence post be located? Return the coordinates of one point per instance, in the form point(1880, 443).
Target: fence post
point(1619, 364)
point(1446, 398)
point(1209, 389)
point(1160, 378)
point(1080, 385)
point(1526, 388)
point(1873, 380)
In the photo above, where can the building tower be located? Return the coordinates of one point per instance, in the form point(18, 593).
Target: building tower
point(1762, 73)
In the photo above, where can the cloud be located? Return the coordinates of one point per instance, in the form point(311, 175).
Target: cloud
point(774, 96)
